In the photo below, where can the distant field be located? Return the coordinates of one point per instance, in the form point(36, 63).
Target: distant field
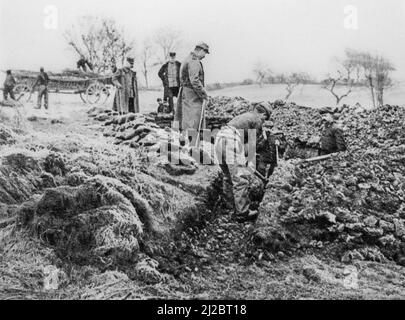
point(310, 95)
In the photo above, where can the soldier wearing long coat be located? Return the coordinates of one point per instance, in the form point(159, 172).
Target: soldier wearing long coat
point(126, 98)
point(192, 92)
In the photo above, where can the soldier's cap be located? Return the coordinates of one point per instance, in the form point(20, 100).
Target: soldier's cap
point(260, 108)
point(172, 54)
point(131, 60)
point(203, 46)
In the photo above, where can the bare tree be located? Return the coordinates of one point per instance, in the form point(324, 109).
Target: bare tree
point(100, 41)
point(148, 59)
point(383, 67)
point(375, 70)
point(331, 83)
point(262, 72)
point(346, 76)
point(166, 40)
point(294, 80)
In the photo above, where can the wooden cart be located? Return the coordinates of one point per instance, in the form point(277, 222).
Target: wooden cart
point(92, 88)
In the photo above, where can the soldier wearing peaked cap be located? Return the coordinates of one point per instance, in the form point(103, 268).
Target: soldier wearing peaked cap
point(192, 91)
point(169, 73)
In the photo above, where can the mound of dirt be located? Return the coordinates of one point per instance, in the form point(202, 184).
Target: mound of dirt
point(98, 205)
point(96, 223)
point(352, 201)
point(19, 177)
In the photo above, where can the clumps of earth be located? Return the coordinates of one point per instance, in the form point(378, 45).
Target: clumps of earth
point(351, 205)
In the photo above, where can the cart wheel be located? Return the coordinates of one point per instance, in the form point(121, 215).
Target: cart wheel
point(83, 97)
point(97, 93)
point(104, 94)
point(22, 92)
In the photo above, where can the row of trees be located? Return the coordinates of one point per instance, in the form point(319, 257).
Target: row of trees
point(105, 45)
point(361, 68)
point(264, 75)
point(356, 68)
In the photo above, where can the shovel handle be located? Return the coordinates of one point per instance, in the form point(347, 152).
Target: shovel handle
point(203, 107)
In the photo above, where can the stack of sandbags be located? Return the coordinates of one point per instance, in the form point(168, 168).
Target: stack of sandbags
point(139, 131)
point(163, 120)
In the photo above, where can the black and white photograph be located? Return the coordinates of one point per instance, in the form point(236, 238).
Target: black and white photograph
point(216, 150)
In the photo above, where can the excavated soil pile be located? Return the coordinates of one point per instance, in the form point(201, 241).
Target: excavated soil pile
point(352, 203)
point(219, 111)
point(301, 127)
point(97, 204)
point(97, 223)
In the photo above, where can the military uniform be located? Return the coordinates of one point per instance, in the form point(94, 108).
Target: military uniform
point(192, 94)
point(332, 140)
point(9, 85)
point(42, 82)
point(127, 98)
point(231, 154)
point(170, 76)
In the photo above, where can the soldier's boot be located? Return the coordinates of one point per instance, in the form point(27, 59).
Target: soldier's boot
point(229, 200)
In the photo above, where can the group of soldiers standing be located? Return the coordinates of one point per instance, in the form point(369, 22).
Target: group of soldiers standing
point(185, 81)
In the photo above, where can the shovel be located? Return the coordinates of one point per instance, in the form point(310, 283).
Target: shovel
point(203, 107)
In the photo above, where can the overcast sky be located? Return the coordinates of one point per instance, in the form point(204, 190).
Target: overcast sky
point(288, 35)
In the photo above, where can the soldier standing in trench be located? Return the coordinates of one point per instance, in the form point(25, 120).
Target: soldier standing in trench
point(232, 149)
point(332, 139)
point(192, 93)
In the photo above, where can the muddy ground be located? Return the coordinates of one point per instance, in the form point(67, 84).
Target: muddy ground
point(209, 258)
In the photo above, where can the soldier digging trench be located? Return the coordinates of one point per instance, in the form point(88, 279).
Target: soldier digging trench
point(231, 147)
